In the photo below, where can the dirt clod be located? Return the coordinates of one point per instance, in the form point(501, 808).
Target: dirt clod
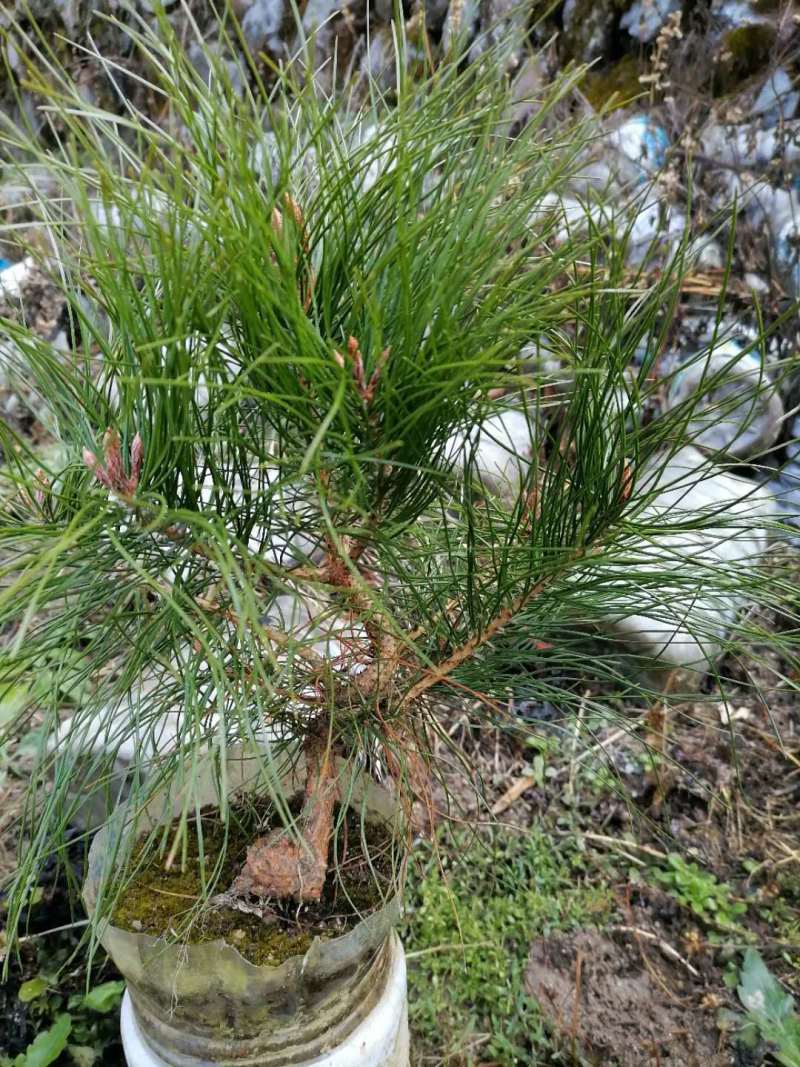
point(621, 1002)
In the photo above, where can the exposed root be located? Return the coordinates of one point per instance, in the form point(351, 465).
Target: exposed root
point(280, 865)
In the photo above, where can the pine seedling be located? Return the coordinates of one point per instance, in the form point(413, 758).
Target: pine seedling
point(265, 523)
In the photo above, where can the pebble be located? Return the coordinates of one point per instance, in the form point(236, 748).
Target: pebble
point(460, 24)
point(262, 26)
point(755, 283)
point(657, 228)
point(588, 28)
point(734, 12)
point(12, 279)
point(750, 146)
point(498, 453)
point(778, 99)
point(706, 254)
point(670, 622)
point(786, 248)
point(642, 145)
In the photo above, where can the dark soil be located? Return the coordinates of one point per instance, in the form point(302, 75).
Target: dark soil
point(164, 899)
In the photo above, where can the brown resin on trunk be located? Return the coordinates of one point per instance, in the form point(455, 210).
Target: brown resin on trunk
point(282, 864)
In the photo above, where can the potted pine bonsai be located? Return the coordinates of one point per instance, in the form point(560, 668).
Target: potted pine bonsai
point(268, 542)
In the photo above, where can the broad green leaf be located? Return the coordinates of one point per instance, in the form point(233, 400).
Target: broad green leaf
point(760, 992)
point(105, 997)
point(12, 700)
point(32, 989)
point(48, 1046)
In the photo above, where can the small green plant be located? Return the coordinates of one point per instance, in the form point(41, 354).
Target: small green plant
point(72, 1023)
point(470, 924)
point(771, 1014)
point(696, 889)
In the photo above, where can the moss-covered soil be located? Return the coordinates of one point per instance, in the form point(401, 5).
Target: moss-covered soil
point(167, 898)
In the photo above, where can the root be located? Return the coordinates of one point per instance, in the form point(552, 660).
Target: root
point(283, 866)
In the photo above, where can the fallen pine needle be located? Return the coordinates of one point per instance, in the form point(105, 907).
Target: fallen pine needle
point(665, 946)
point(449, 947)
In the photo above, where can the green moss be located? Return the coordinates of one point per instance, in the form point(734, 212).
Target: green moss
point(468, 935)
point(746, 52)
point(751, 44)
point(161, 900)
point(614, 87)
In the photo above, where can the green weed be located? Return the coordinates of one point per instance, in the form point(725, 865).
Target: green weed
point(771, 1015)
point(710, 900)
point(80, 1025)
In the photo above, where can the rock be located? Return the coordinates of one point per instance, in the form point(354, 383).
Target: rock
point(460, 25)
point(284, 512)
point(755, 283)
point(732, 13)
point(682, 615)
point(527, 89)
point(436, 12)
point(657, 229)
point(645, 18)
point(558, 218)
point(263, 27)
point(642, 145)
point(769, 204)
point(740, 411)
point(786, 255)
point(14, 277)
point(544, 717)
point(778, 99)
point(501, 22)
point(750, 147)
point(596, 175)
point(498, 453)
point(705, 253)
point(203, 60)
point(319, 627)
point(380, 60)
point(552, 382)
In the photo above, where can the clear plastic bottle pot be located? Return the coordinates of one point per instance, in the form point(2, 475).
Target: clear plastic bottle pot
point(205, 1004)
point(380, 1039)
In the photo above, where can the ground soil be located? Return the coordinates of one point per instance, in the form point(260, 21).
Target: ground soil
point(724, 795)
point(620, 1001)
